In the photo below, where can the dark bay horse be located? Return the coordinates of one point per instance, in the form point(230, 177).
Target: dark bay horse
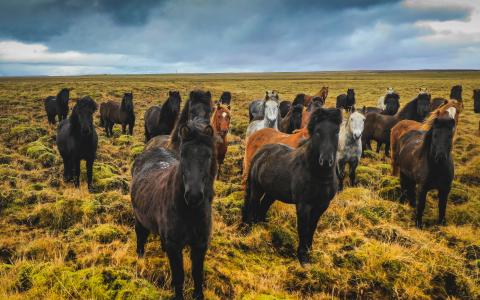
point(198, 107)
point(305, 176)
point(293, 120)
point(77, 140)
point(161, 120)
point(225, 98)
point(57, 106)
point(221, 124)
point(172, 197)
point(346, 101)
point(111, 113)
point(284, 107)
point(378, 126)
point(424, 159)
point(390, 105)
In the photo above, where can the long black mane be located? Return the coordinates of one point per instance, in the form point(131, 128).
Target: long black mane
point(63, 96)
point(197, 96)
point(84, 104)
point(226, 98)
point(127, 103)
point(299, 99)
point(409, 111)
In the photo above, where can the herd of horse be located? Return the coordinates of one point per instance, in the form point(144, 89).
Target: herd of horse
point(295, 152)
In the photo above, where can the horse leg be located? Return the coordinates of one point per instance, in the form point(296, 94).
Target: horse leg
point(142, 235)
point(303, 228)
point(124, 128)
point(66, 169)
point(316, 213)
point(76, 176)
point(442, 204)
point(422, 197)
point(110, 127)
point(90, 174)
point(353, 168)
point(341, 173)
point(387, 148)
point(252, 203)
point(379, 146)
point(175, 258)
point(408, 190)
point(265, 204)
point(197, 256)
point(130, 128)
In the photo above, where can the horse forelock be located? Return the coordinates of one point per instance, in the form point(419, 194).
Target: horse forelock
point(324, 114)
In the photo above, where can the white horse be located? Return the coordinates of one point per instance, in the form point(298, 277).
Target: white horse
point(381, 99)
point(350, 146)
point(256, 108)
point(270, 118)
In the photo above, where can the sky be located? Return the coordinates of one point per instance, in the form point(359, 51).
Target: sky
point(74, 37)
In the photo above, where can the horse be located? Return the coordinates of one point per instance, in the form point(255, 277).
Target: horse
point(172, 197)
point(451, 109)
point(199, 107)
point(77, 140)
point(346, 101)
point(270, 118)
point(267, 136)
point(221, 124)
point(377, 126)
point(111, 113)
point(256, 108)
point(476, 101)
point(305, 176)
point(316, 102)
point(293, 119)
point(424, 159)
point(350, 146)
point(225, 98)
point(389, 104)
point(323, 94)
point(160, 120)
point(284, 107)
point(57, 106)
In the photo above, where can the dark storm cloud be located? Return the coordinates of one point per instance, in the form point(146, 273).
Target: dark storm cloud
point(214, 35)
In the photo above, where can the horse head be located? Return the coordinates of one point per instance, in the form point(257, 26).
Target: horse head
point(82, 116)
point(221, 119)
point(127, 102)
point(440, 138)
point(200, 105)
point(355, 123)
point(392, 103)
point(271, 111)
point(323, 128)
point(423, 103)
point(174, 100)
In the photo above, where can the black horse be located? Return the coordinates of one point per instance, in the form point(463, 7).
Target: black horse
point(77, 140)
point(424, 158)
point(57, 106)
point(284, 107)
point(199, 107)
point(111, 113)
point(346, 101)
point(160, 120)
point(456, 93)
point(476, 101)
point(225, 98)
point(391, 102)
point(377, 126)
point(173, 198)
point(305, 176)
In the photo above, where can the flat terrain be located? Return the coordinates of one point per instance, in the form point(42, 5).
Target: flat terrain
point(60, 242)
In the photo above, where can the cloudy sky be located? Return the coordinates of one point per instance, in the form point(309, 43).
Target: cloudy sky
point(67, 37)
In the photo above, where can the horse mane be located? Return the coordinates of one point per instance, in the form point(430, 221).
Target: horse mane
point(437, 120)
point(63, 95)
point(439, 112)
point(123, 106)
point(195, 96)
point(299, 99)
point(85, 103)
point(226, 96)
point(198, 136)
point(165, 105)
point(330, 114)
point(412, 104)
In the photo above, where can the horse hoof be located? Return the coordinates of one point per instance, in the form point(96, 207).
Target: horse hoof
point(198, 295)
point(304, 259)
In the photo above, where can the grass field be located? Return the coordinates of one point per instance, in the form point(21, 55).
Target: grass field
point(60, 242)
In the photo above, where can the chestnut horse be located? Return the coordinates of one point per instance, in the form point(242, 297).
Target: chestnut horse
point(221, 124)
point(323, 94)
point(451, 109)
point(423, 158)
point(267, 136)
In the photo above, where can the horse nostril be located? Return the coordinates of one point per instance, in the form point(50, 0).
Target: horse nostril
point(330, 162)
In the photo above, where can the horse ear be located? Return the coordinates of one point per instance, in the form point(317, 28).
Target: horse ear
point(228, 106)
point(208, 130)
point(218, 105)
point(184, 131)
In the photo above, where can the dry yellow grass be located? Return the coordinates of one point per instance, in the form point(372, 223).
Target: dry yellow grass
point(60, 242)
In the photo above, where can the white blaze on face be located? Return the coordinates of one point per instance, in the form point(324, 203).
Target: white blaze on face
point(452, 111)
point(224, 115)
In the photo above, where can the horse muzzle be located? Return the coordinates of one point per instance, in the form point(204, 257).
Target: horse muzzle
point(193, 198)
point(440, 157)
point(326, 161)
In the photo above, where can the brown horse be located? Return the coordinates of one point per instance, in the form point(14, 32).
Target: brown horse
point(293, 120)
point(378, 126)
point(423, 158)
point(221, 124)
point(323, 94)
point(267, 136)
point(451, 109)
point(112, 113)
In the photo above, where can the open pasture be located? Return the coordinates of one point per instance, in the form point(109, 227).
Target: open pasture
point(57, 241)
